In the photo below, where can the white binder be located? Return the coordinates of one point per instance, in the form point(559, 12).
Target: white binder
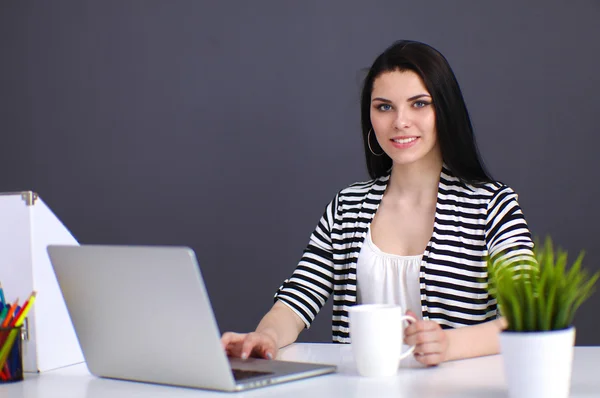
point(27, 227)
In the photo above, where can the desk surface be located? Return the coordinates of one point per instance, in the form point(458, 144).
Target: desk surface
point(480, 377)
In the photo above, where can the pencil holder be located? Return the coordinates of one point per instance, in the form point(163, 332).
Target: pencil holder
point(11, 355)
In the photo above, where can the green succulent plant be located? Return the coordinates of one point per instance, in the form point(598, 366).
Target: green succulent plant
point(543, 297)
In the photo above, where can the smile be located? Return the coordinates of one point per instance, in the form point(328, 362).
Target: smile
point(404, 140)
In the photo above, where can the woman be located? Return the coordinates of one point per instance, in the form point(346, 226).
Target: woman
point(416, 235)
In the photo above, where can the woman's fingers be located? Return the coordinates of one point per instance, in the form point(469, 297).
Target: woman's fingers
point(430, 353)
point(435, 347)
point(269, 351)
point(264, 347)
point(421, 326)
point(232, 343)
point(230, 337)
point(422, 332)
point(236, 344)
point(430, 341)
point(252, 345)
point(429, 359)
point(245, 345)
point(423, 337)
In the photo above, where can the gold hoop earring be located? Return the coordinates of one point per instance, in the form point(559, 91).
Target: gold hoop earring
point(369, 143)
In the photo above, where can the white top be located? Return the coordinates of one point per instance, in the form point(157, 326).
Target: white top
point(384, 278)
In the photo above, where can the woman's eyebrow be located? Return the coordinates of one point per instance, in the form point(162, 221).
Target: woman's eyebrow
point(414, 97)
point(381, 99)
point(418, 96)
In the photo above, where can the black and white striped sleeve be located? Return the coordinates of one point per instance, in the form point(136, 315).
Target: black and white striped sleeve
point(507, 233)
point(311, 284)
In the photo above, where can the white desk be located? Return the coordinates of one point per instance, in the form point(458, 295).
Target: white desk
point(472, 378)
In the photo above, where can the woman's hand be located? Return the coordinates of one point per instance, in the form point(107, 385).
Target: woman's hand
point(278, 328)
point(244, 345)
point(429, 339)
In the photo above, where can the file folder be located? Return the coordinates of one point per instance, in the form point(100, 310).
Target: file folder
point(27, 227)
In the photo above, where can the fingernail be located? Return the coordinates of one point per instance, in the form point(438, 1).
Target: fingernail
point(244, 355)
point(269, 355)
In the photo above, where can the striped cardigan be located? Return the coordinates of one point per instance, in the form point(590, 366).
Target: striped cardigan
point(471, 223)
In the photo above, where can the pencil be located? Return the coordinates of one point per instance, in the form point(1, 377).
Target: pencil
point(3, 313)
point(2, 299)
point(20, 319)
point(17, 321)
point(7, 320)
point(7, 346)
point(8, 343)
point(22, 313)
point(10, 313)
point(15, 318)
point(6, 370)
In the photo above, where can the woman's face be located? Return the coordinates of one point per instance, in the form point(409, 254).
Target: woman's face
point(403, 118)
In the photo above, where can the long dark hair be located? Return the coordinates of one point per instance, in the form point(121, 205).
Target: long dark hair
point(453, 125)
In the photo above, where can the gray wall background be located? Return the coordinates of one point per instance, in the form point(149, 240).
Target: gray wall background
point(228, 126)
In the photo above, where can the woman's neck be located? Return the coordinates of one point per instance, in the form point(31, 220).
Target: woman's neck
point(415, 182)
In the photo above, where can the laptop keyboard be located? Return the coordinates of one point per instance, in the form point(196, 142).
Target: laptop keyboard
point(240, 374)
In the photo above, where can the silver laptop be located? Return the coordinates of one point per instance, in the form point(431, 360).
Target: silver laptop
point(143, 314)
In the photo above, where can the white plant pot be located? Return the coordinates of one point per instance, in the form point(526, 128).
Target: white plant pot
point(538, 364)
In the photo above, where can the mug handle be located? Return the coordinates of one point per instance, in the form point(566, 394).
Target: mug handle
point(410, 319)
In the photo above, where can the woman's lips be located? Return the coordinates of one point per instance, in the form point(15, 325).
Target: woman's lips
point(404, 142)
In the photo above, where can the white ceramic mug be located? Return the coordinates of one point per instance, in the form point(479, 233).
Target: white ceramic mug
point(377, 333)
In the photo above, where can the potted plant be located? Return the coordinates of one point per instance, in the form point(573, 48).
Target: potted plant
point(539, 303)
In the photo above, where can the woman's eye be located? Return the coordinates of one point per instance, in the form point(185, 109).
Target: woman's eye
point(384, 107)
point(421, 104)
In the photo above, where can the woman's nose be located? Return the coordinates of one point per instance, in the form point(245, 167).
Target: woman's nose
point(402, 119)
